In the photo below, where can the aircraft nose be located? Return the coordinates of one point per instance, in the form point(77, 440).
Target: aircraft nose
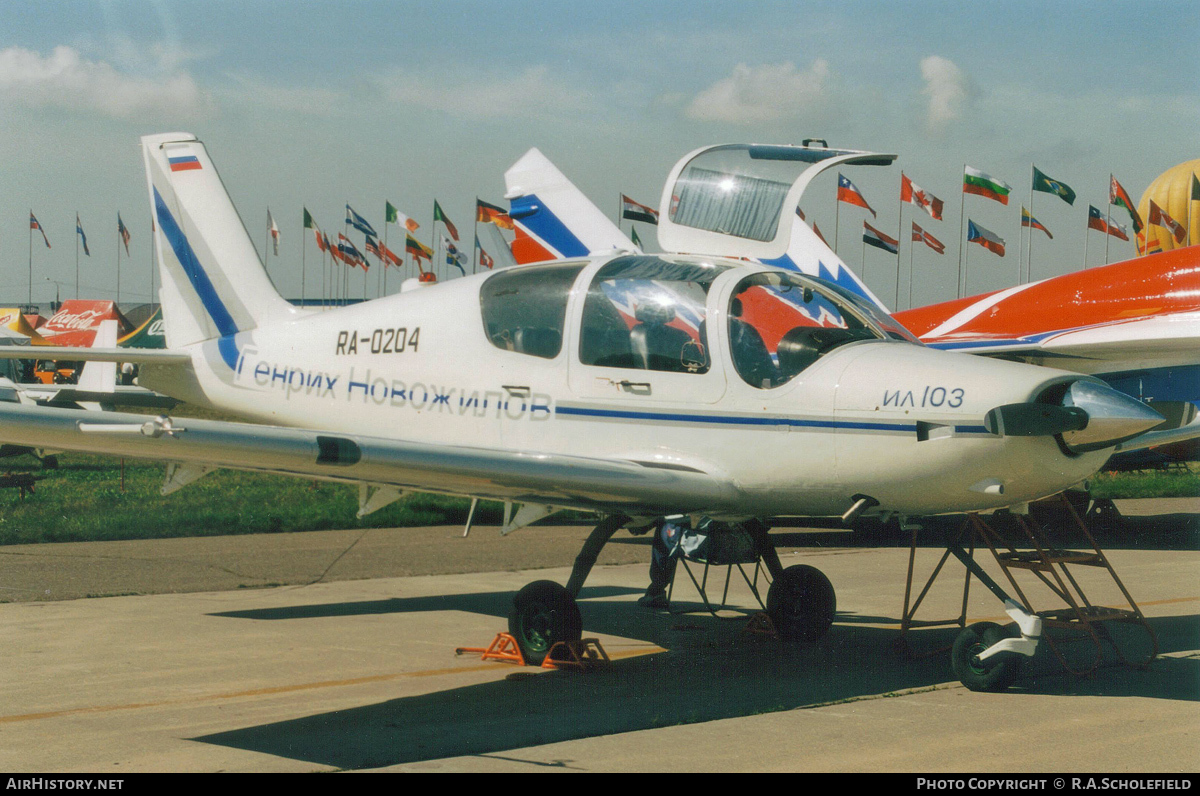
point(1088, 415)
point(1113, 416)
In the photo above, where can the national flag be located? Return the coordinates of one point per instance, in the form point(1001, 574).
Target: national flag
point(635, 211)
point(123, 232)
point(350, 254)
point(1096, 220)
point(920, 235)
point(633, 236)
point(372, 247)
point(914, 194)
point(485, 259)
point(82, 237)
point(322, 239)
point(1060, 189)
point(849, 194)
point(490, 214)
point(417, 249)
point(817, 230)
point(359, 223)
point(988, 240)
point(1117, 231)
point(1159, 217)
point(394, 216)
point(1027, 220)
point(35, 224)
point(274, 230)
point(308, 220)
point(985, 185)
point(1117, 196)
point(873, 237)
point(384, 254)
point(453, 255)
point(438, 215)
point(184, 163)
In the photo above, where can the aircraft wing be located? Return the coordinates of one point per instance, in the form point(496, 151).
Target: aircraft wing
point(526, 477)
point(138, 356)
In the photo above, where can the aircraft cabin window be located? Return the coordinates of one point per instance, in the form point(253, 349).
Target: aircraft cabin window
point(525, 309)
point(780, 324)
point(646, 313)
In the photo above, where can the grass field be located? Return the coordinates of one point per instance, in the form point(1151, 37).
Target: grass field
point(93, 498)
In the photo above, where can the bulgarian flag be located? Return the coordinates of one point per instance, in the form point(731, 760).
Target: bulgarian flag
point(988, 240)
point(1117, 196)
point(393, 216)
point(980, 184)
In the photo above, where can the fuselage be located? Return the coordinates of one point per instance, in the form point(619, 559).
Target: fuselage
point(465, 363)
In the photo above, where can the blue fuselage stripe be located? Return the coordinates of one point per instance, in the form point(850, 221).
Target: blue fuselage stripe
point(732, 420)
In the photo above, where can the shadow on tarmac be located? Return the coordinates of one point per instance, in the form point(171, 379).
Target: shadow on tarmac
point(712, 670)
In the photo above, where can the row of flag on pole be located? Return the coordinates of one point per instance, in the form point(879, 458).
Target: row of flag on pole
point(979, 183)
point(346, 252)
point(122, 232)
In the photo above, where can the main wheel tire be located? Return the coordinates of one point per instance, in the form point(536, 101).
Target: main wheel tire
point(801, 603)
point(543, 614)
point(997, 672)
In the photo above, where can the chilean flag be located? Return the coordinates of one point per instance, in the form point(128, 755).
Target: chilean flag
point(850, 195)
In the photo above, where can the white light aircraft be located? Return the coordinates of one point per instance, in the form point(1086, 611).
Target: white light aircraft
point(636, 386)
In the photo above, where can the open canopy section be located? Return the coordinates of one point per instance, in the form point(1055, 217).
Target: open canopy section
point(740, 200)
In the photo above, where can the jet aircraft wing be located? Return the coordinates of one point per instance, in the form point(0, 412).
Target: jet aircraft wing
point(563, 481)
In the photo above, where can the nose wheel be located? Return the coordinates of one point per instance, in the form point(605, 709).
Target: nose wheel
point(543, 614)
point(994, 673)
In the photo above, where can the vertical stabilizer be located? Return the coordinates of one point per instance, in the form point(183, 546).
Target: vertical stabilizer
point(552, 217)
point(213, 283)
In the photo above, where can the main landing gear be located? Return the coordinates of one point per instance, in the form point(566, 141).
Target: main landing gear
point(801, 601)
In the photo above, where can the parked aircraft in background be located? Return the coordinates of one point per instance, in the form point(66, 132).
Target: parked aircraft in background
point(696, 382)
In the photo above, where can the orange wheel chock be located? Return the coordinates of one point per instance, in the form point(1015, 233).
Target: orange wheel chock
point(503, 648)
point(582, 655)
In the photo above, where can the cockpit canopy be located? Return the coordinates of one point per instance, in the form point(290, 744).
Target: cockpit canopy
point(652, 313)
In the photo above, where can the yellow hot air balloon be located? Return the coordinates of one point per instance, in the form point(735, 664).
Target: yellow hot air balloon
point(1172, 192)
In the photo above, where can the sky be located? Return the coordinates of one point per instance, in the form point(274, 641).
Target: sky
point(319, 104)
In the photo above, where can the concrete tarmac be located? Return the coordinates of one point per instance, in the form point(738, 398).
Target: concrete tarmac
point(325, 658)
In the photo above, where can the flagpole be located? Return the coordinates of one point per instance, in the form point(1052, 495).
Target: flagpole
point(78, 227)
point(910, 273)
point(303, 259)
point(1087, 230)
point(29, 301)
point(1109, 211)
point(383, 284)
point(837, 207)
point(899, 224)
point(1029, 256)
point(474, 252)
point(962, 226)
point(1021, 244)
point(118, 301)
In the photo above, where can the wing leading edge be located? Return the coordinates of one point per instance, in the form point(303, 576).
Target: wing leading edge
point(553, 479)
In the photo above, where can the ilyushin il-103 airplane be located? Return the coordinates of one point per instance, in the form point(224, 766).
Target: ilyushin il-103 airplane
point(701, 382)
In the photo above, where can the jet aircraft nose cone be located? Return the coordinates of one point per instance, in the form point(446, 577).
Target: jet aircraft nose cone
point(1113, 416)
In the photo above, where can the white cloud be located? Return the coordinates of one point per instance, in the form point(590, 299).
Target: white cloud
point(67, 80)
point(947, 88)
point(534, 92)
point(767, 93)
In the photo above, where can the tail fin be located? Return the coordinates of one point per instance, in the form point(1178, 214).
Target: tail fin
point(213, 283)
point(553, 219)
